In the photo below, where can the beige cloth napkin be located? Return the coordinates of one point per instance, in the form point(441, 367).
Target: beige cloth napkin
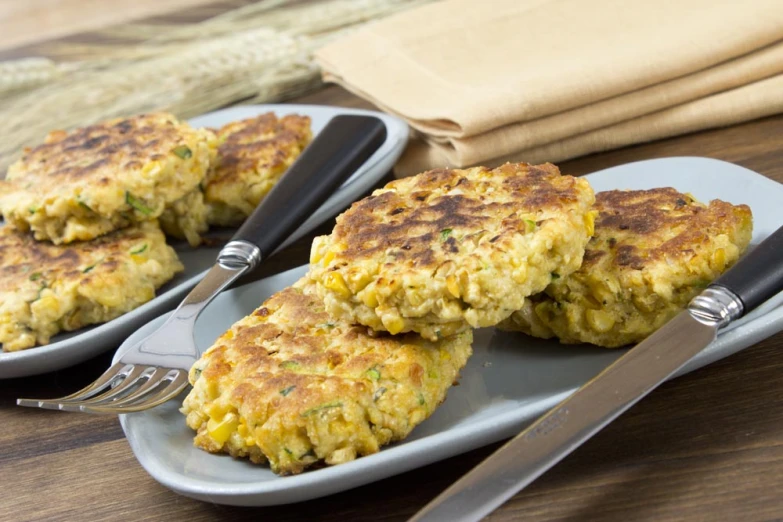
point(537, 80)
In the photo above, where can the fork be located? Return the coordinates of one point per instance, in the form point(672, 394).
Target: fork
point(155, 369)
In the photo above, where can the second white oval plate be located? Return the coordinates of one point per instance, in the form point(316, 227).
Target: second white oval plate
point(72, 348)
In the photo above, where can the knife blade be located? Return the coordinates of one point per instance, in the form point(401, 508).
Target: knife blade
point(754, 279)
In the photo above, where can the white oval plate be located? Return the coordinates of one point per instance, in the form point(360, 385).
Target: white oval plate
point(72, 348)
point(510, 380)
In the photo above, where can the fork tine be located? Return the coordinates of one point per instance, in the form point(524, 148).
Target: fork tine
point(37, 403)
point(119, 390)
point(177, 384)
point(105, 380)
point(155, 379)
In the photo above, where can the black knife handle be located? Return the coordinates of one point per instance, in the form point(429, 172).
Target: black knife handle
point(758, 275)
point(338, 151)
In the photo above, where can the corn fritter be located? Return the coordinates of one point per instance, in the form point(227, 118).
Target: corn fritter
point(449, 250)
point(653, 251)
point(290, 385)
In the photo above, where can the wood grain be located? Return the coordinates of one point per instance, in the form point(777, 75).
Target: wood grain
point(708, 446)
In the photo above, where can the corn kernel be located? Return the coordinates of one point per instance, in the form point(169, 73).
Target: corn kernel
point(602, 293)
point(147, 294)
point(220, 431)
point(592, 301)
point(719, 259)
point(151, 170)
point(358, 280)
point(47, 302)
point(418, 415)
point(335, 282)
point(415, 299)
point(216, 411)
point(108, 297)
point(446, 268)
point(370, 298)
point(590, 222)
point(328, 258)
point(599, 320)
point(213, 390)
point(393, 324)
point(452, 286)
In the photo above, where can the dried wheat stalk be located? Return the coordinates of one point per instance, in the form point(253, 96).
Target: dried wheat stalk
point(26, 73)
point(259, 52)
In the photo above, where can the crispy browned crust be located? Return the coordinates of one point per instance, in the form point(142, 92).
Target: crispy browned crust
point(639, 228)
point(253, 154)
point(412, 226)
point(88, 153)
point(265, 141)
point(22, 257)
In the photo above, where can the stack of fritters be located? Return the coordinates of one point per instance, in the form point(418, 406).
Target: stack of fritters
point(304, 380)
point(290, 385)
point(82, 243)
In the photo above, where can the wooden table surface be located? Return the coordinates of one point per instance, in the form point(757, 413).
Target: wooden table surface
point(708, 446)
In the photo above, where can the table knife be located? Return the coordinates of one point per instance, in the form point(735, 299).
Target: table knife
point(754, 279)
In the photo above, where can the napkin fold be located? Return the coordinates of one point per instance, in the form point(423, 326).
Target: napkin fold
point(534, 80)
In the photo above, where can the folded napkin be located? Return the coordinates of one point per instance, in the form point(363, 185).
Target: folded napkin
point(533, 80)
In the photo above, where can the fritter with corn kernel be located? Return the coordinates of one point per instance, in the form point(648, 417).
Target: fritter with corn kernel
point(292, 386)
point(186, 218)
point(86, 183)
point(253, 154)
point(446, 250)
point(46, 288)
point(653, 251)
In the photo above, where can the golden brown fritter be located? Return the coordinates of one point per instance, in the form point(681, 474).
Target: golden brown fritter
point(451, 249)
point(45, 288)
point(88, 182)
point(653, 251)
point(253, 155)
point(290, 385)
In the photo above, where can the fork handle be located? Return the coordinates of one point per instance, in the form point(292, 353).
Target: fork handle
point(343, 146)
